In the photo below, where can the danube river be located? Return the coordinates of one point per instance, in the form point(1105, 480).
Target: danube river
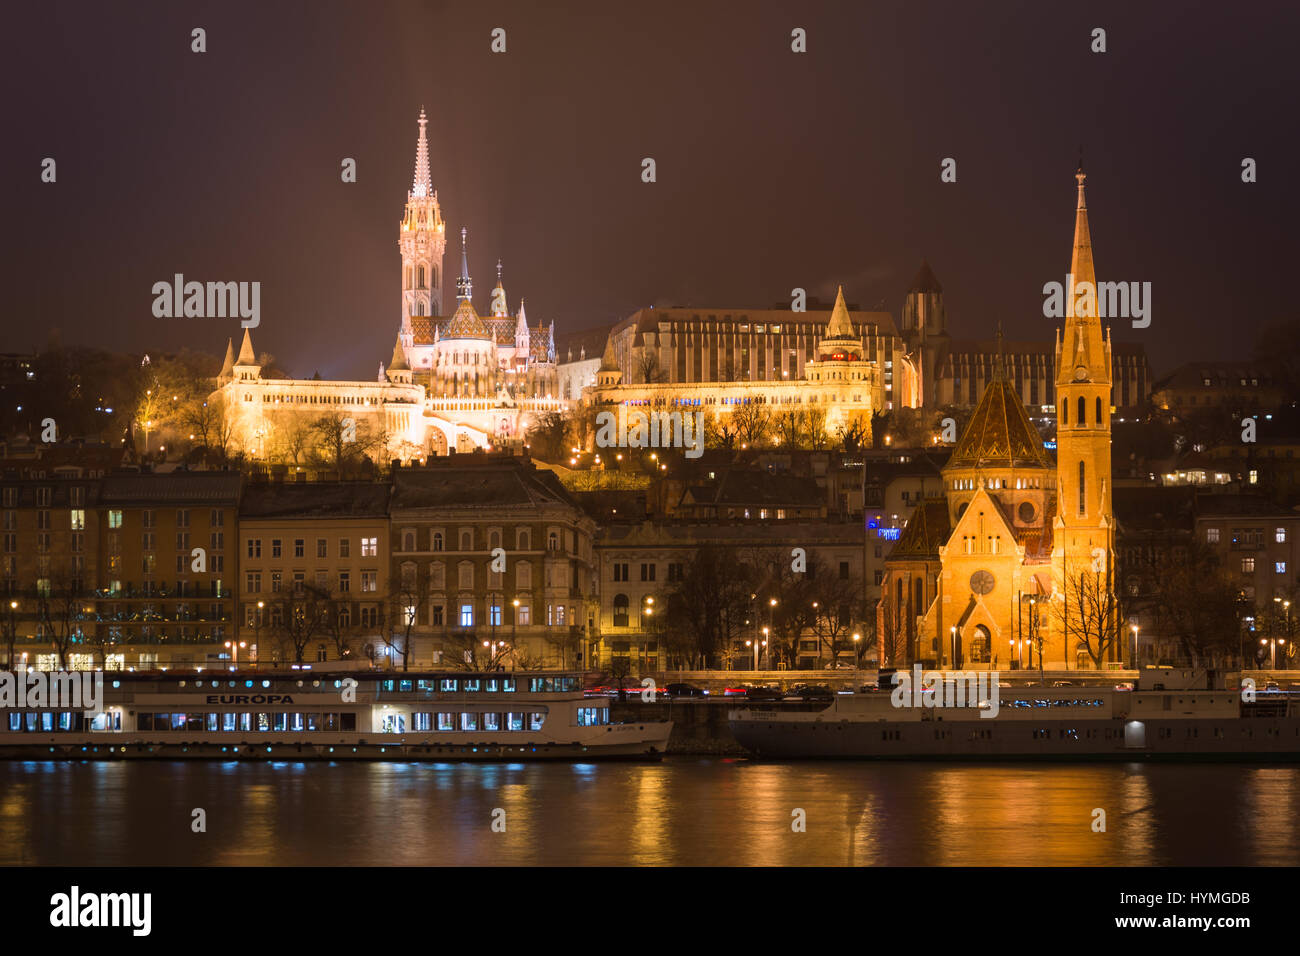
point(684, 811)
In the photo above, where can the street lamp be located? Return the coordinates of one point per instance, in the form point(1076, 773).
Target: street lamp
point(1272, 644)
point(857, 651)
point(1136, 662)
point(234, 647)
point(953, 632)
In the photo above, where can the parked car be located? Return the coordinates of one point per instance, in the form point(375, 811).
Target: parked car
point(840, 666)
point(1062, 683)
point(684, 690)
point(762, 692)
point(811, 692)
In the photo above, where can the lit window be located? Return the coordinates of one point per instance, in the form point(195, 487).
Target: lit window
point(1279, 535)
point(467, 615)
point(1279, 567)
point(1211, 535)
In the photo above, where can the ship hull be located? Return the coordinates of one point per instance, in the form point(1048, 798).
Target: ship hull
point(984, 740)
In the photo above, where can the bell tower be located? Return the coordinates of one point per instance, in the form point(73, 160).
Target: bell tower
point(1084, 532)
point(422, 240)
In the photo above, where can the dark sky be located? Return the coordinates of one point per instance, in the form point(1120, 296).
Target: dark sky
point(775, 169)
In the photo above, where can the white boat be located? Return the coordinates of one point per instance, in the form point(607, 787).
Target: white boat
point(1171, 713)
point(306, 715)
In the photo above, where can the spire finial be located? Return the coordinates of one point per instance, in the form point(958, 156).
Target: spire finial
point(464, 288)
point(1080, 176)
point(423, 183)
point(498, 272)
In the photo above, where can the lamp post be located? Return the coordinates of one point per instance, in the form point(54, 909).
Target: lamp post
point(513, 622)
point(857, 651)
point(1137, 664)
point(257, 631)
point(647, 611)
point(1033, 630)
point(12, 634)
point(233, 647)
point(1271, 644)
point(953, 633)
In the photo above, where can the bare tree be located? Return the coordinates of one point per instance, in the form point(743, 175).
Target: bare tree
point(302, 613)
point(1089, 615)
point(752, 422)
point(61, 608)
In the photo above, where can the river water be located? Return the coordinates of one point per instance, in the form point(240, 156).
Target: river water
point(684, 811)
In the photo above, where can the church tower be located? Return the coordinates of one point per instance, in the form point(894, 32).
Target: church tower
point(422, 240)
point(1084, 531)
point(925, 334)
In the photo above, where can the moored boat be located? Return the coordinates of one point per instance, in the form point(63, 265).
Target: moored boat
point(320, 715)
point(1171, 713)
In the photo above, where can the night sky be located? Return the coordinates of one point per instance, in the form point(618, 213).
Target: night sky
point(775, 169)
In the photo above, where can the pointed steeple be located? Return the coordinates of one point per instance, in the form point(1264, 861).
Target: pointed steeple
point(423, 183)
point(398, 363)
point(999, 362)
point(1082, 333)
point(1081, 258)
point(499, 308)
point(840, 326)
point(246, 354)
point(228, 365)
point(464, 287)
point(925, 280)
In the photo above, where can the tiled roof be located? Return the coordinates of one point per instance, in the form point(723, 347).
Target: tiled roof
point(999, 434)
point(215, 486)
point(315, 499)
point(492, 484)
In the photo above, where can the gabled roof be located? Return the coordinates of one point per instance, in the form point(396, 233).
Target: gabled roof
point(999, 434)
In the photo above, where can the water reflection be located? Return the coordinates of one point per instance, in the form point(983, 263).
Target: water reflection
point(682, 812)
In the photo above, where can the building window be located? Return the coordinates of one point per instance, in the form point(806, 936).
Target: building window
point(369, 547)
point(345, 548)
point(1247, 565)
point(322, 548)
point(370, 581)
point(620, 610)
point(1082, 487)
point(524, 614)
point(648, 572)
point(1279, 567)
point(254, 547)
point(276, 548)
point(1211, 535)
point(1279, 535)
point(467, 615)
point(299, 547)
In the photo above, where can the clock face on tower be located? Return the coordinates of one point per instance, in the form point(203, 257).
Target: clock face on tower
point(982, 582)
point(1080, 373)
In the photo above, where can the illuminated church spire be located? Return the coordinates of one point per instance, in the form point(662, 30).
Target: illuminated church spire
point(422, 241)
point(423, 185)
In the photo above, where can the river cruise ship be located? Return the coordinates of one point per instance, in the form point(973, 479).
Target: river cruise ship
point(313, 715)
point(1171, 713)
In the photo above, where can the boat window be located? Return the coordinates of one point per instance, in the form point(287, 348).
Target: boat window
point(508, 685)
point(514, 721)
point(491, 721)
point(446, 721)
point(472, 685)
point(447, 684)
point(469, 721)
point(535, 721)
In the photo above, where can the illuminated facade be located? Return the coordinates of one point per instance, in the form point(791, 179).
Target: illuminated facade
point(985, 575)
point(838, 369)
